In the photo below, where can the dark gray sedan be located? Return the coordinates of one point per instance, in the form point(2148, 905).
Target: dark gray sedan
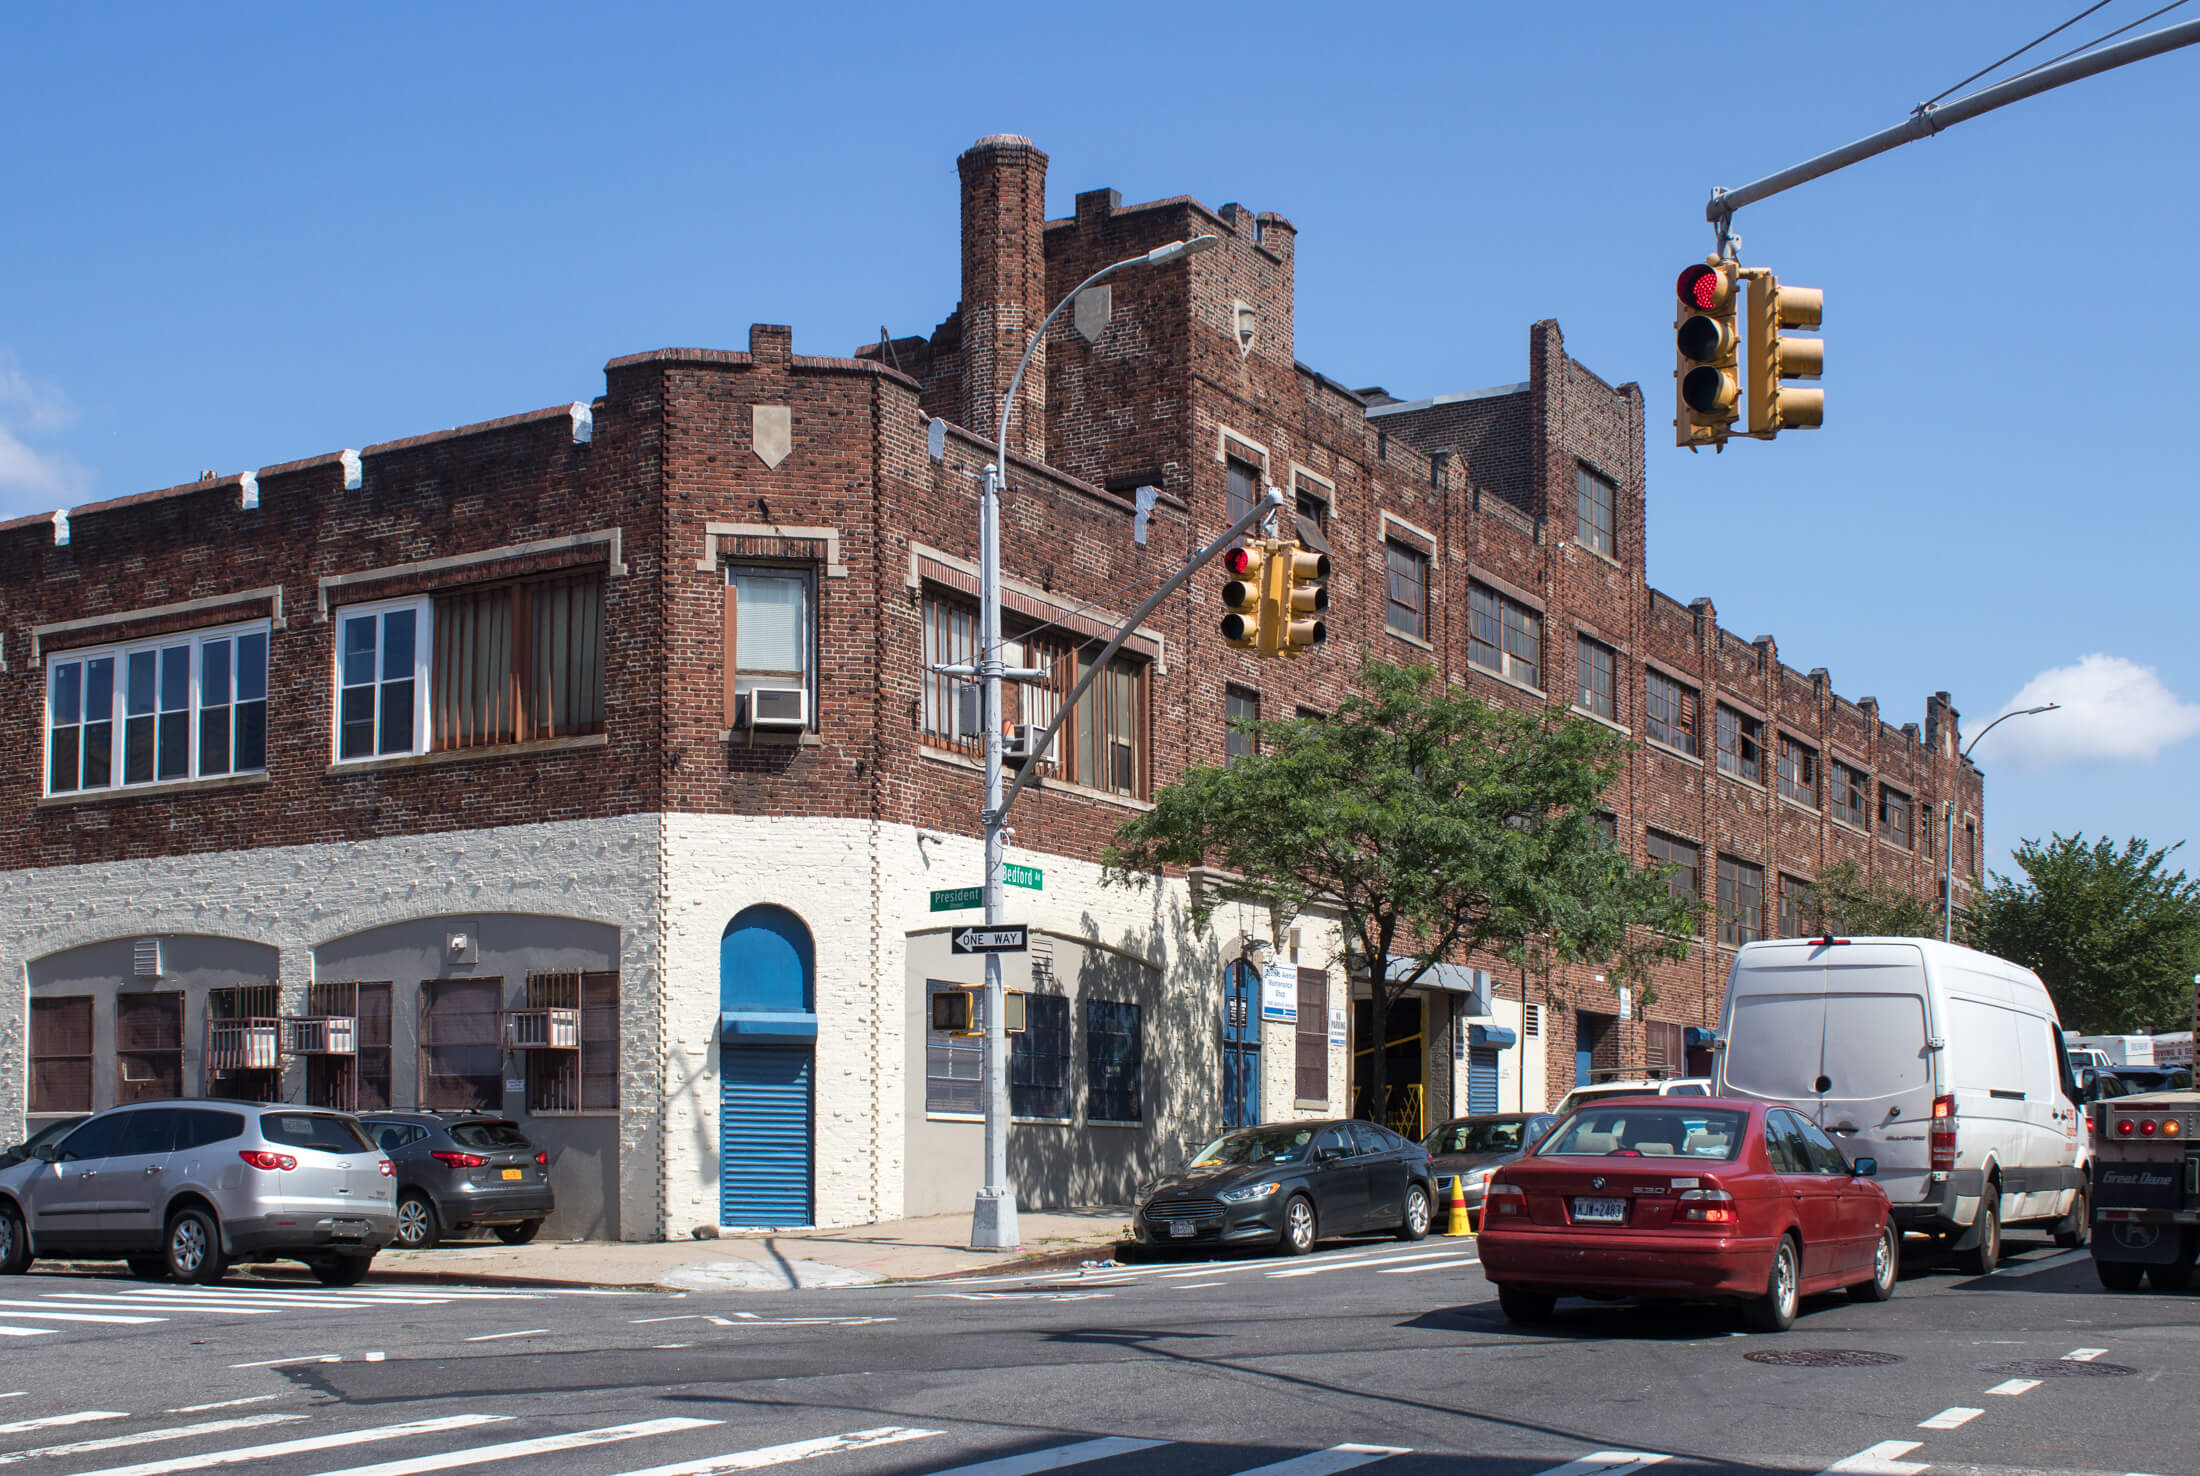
point(457, 1170)
point(1470, 1149)
point(1290, 1184)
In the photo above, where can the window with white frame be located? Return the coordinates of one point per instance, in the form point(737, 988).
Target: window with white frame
point(190, 706)
point(770, 617)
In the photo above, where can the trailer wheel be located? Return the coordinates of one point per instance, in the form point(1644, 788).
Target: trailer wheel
point(2119, 1276)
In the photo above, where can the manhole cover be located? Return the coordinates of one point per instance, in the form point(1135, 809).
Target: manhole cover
point(1823, 1357)
point(2056, 1368)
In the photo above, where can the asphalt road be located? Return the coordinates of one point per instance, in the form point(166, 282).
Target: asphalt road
point(1374, 1355)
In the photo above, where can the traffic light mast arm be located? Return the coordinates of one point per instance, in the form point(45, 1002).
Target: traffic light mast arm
point(1266, 507)
point(1929, 120)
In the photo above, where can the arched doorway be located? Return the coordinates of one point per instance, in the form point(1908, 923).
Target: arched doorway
point(767, 1055)
point(1240, 1045)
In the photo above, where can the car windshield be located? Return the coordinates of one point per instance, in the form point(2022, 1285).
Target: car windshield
point(1660, 1129)
point(52, 1132)
point(1257, 1145)
point(1477, 1137)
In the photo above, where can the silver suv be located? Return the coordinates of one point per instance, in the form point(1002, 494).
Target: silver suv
point(186, 1188)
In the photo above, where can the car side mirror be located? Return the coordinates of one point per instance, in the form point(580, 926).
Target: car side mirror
point(1867, 1168)
point(49, 1153)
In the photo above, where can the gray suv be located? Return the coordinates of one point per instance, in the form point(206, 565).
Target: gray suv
point(186, 1188)
point(457, 1170)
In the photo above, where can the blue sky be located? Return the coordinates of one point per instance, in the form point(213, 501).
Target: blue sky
point(238, 235)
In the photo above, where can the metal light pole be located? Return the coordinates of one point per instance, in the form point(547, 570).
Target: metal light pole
point(1948, 857)
point(993, 1219)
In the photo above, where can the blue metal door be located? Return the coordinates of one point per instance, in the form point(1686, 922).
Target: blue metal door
point(1481, 1080)
point(764, 1135)
point(1240, 1045)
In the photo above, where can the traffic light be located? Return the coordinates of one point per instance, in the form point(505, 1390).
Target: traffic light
point(1774, 356)
point(1247, 625)
point(1302, 598)
point(1707, 386)
point(956, 1011)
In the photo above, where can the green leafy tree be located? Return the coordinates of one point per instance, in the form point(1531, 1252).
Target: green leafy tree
point(2113, 932)
point(1845, 900)
point(1436, 826)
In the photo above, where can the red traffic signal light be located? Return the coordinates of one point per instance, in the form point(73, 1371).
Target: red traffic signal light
point(1706, 375)
point(1703, 287)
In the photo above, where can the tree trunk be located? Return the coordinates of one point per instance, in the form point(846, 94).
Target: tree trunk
point(1378, 1060)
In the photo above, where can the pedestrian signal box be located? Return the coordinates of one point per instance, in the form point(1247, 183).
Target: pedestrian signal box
point(959, 1011)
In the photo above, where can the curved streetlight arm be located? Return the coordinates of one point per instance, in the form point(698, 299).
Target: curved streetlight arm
point(1948, 850)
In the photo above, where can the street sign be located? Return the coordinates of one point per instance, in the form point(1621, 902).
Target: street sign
point(1009, 938)
point(1024, 876)
point(958, 897)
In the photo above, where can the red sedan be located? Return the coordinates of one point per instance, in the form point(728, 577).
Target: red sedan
point(1692, 1198)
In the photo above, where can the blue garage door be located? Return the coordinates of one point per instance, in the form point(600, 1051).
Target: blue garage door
point(1481, 1080)
point(764, 1135)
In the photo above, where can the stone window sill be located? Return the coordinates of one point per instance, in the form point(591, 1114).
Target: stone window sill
point(168, 790)
point(1598, 717)
point(771, 737)
point(1109, 1122)
point(1510, 681)
point(1040, 784)
point(1599, 554)
point(469, 755)
point(1855, 830)
point(1042, 1121)
point(1756, 784)
point(1671, 752)
point(1800, 807)
point(1411, 640)
point(954, 1117)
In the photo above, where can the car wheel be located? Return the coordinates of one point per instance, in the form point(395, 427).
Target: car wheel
point(1299, 1228)
point(519, 1234)
point(2119, 1276)
point(417, 1229)
point(15, 1242)
point(1886, 1266)
point(342, 1270)
point(193, 1247)
point(1521, 1305)
point(1982, 1258)
point(1775, 1310)
point(1417, 1213)
point(147, 1268)
point(2078, 1227)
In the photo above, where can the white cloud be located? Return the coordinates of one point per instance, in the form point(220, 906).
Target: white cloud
point(2112, 709)
point(32, 479)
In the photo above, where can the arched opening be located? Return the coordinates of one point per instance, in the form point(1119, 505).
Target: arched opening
point(767, 1056)
point(1240, 1044)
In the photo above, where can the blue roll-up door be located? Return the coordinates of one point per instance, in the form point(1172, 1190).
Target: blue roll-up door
point(1481, 1080)
point(764, 1135)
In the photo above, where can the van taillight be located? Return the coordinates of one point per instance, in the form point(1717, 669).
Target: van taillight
point(1943, 1135)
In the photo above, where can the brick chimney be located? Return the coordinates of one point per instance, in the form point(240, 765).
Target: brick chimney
point(1004, 284)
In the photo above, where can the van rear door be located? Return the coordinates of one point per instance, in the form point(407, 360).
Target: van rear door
point(1776, 1021)
point(1877, 1098)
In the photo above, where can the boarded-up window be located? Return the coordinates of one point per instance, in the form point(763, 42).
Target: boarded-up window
point(148, 1047)
point(61, 1055)
point(461, 1054)
point(1312, 1037)
point(600, 1042)
point(374, 1047)
point(1662, 1052)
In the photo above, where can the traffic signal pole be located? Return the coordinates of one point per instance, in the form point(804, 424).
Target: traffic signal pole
point(1930, 119)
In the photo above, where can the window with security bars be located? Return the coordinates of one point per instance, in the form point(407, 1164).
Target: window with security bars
point(1239, 707)
point(1798, 771)
point(1594, 500)
point(1894, 817)
point(61, 1054)
point(462, 1045)
point(1038, 1060)
point(1683, 856)
point(1504, 636)
point(1594, 677)
point(243, 1044)
point(1310, 1061)
point(583, 1080)
point(1662, 1054)
point(1850, 792)
point(359, 1081)
point(1405, 589)
point(1741, 901)
point(954, 1065)
point(1114, 1060)
point(1796, 897)
point(1741, 745)
point(148, 1047)
point(1669, 712)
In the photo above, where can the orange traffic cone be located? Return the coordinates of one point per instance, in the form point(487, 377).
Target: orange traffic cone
point(1456, 1222)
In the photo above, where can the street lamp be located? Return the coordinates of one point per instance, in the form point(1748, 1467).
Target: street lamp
point(1948, 859)
point(993, 1219)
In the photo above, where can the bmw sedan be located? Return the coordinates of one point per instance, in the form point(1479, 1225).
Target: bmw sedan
point(1290, 1184)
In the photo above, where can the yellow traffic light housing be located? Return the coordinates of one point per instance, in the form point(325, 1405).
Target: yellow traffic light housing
point(956, 1011)
point(1303, 598)
point(1773, 356)
point(1707, 386)
point(1247, 625)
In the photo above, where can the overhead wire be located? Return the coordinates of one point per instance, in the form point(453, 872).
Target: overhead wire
point(2027, 46)
point(2097, 40)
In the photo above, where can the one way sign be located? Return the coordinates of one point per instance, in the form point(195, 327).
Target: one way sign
point(1012, 938)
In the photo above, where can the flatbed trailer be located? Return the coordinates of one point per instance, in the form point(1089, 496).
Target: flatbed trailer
point(2146, 1186)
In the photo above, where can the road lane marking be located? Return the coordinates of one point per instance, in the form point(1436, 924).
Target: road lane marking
point(1879, 1460)
point(1431, 1266)
point(1356, 1265)
point(147, 1304)
point(222, 1404)
point(2034, 1268)
point(2014, 1386)
point(49, 1422)
point(301, 1358)
point(2083, 1355)
point(525, 1332)
point(245, 1454)
point(794, 1450)
point(24, 1332)
point(1607, 1463)
point(1951, 1419)
point(1327, 1462)
point(154, 1437)
point(47, 1312)
point(1197, 1285)
point(512, 1450)
point(1054, 1458)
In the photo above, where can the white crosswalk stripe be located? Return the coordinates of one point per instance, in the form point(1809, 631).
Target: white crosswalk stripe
point(245, 1455)
point(54, 1422)
point(96, 1305)
point(1328, 1462)
point(1054, 1458)
point(153, 1437)
point(1608, 1463)
point(780, 1455)
point(513, 1450)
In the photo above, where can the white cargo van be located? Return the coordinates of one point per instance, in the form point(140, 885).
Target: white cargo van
point(1946, 1065)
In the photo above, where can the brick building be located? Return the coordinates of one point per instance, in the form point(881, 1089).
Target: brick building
point(584, 764)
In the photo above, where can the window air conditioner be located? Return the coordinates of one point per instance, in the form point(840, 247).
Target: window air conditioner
point(774, 707)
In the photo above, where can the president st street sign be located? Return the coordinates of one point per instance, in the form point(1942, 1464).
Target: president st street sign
point(1006, 938)
point(954, 899)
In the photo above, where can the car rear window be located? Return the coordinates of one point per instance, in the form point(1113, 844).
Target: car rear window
point(1647, 1130)
point(315, 1130)
point(488, 1135)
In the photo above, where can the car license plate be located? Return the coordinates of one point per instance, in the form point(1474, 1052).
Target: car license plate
point(1600, 1211)
point(347, 1229)
point(512, 1173)
point(1181, 1227)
